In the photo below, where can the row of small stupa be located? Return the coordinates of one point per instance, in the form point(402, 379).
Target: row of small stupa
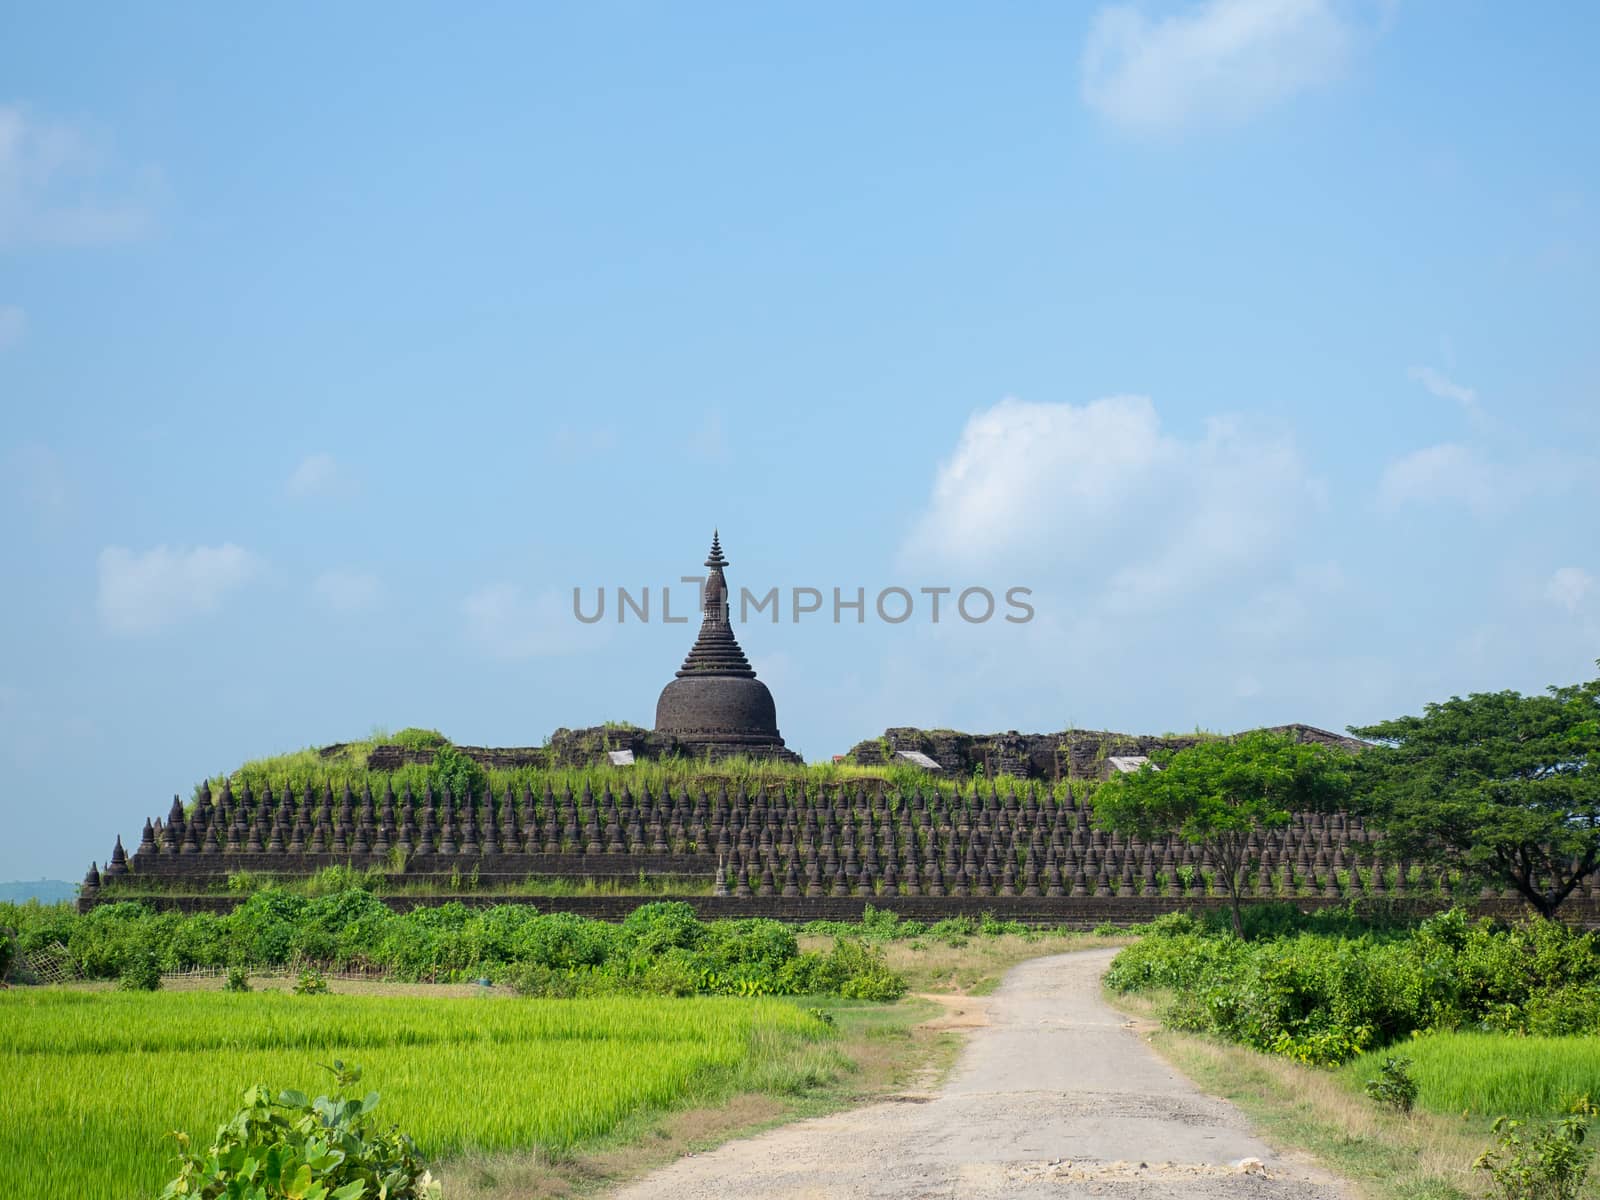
point(838, 840)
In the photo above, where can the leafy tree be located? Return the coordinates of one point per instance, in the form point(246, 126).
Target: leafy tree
point(1215, 794)
point(464, 776)
point(1503, 786)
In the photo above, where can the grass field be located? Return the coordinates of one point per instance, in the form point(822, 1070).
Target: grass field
point(1466, 1078)
point(1490, 1074)
point(93, 1082)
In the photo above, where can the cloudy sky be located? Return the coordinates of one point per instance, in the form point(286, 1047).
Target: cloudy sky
point(337, 346)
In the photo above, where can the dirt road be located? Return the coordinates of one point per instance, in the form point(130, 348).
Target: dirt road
point(1053, 1097)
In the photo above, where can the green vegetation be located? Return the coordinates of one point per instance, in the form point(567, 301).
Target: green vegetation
point(1323, 998)
point(1502, 786)
point(1491, 1073)
point(1545, 1162)
point(1394, 1085)
point(115, 1071)
point(1221, 794)
point(394, 879)
point(660, 948)
point(347, 763)
point(287, 1146)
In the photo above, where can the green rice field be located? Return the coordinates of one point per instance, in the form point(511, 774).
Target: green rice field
point(1489, 1074)
point(94, 1081)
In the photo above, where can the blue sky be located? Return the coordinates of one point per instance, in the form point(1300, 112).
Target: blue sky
point(338, 346)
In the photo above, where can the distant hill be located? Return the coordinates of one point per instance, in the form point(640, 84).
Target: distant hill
point(45, 891)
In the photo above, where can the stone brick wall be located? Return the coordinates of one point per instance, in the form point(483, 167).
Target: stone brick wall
point(1070, 754)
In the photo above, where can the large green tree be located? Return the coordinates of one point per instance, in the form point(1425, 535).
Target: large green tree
point(1503, 786)
point(1215, 794)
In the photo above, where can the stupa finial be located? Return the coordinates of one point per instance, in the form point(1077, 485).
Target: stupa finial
point(716, 561)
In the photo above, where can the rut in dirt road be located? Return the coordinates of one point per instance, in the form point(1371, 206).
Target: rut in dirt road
point(1055, 1097)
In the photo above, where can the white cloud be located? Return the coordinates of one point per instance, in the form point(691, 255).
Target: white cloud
point(144, 592)
point(1568, 587)
point(502, 623)
point(1220, 61)
point(13, 325)
point(58, 187)
point(1454, 473)
point(317, 475)
point(1102, 485)
point(1446, 388)
point(1448, 472)
point(348, 591)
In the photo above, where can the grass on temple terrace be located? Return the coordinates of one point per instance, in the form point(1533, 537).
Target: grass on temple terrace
point(348, 763)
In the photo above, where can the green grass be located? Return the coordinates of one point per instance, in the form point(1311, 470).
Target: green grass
point(1493, 1074)
point(349, 764)
point(93, 1082)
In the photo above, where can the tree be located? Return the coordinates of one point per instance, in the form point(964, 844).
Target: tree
point(1503, 786)
point(1215, 794)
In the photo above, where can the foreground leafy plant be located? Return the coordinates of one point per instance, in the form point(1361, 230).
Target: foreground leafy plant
point(298, 1149)
point(311, 983)
point(1542, 1162)
point(1395, 1086)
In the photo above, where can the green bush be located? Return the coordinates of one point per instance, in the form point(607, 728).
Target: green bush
point(864, 975)
point(1394, 1087)
point(536, 979)
point(141, 974)
point(8, 952)
point(238, 980)
point(412, 738)
point(454, 770)
point(661, 948)
point(311, 983)
point(288, 1146)
point(1322, 997)
point(1541, 1162)
point(564, 941)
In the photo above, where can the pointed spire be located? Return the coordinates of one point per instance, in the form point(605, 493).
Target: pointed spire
point(716, 651)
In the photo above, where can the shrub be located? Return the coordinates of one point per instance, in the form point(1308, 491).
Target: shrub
point(1395, 1086)
point(664, 925)
point(953, 930)
point(1542, 1162)
point(329, 1148)
point(536, 979)
point(311, 983)
point(142, 974)
point(454, 770)
point(992, 926)
point(412, 738)
point(8, 952)
point(864, 975)
point(565, 940)
point(238, 980)
point(751, 942)
point(1322, 997)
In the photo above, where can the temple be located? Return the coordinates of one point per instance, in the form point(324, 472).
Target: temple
point(716, 707)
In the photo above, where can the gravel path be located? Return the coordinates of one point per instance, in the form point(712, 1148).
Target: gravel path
point(1054, 1097)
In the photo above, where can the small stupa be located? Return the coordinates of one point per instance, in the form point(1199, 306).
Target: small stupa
point(716, 706)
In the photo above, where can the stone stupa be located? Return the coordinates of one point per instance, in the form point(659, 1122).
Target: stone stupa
point(716, 706)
